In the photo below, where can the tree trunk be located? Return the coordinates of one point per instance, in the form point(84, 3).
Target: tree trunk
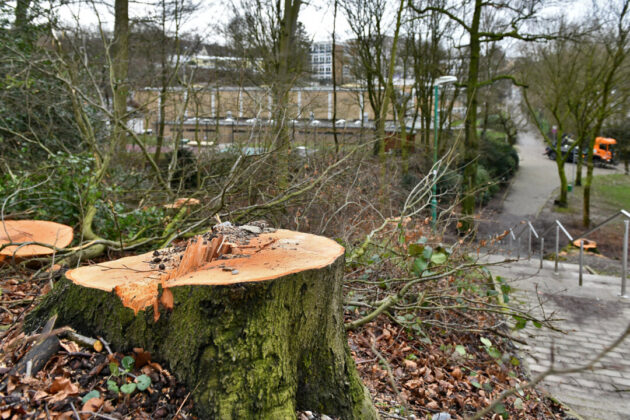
point(586, 199)
point(562, 201)
point(246, 347)
point(471, 142)
point(119, 71)
point(579, 164)
point(21, 14)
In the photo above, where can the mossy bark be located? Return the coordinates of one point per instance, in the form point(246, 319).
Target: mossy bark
point(252, 350)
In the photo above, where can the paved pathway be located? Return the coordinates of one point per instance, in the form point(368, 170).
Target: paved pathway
point(531, 187)
point(592, 317)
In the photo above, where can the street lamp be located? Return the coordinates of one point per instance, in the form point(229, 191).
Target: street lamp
point(436, 93)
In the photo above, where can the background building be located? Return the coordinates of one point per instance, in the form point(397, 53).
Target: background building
point(321, 60)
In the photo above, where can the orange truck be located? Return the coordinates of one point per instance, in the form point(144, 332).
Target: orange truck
point(604, 150)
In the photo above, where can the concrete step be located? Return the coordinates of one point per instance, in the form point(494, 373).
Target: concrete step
point(566, 277)
point(591, 316)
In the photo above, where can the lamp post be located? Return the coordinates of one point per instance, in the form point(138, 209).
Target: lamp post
point(436, 93)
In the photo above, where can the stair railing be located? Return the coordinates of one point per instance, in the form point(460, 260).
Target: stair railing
point(624, 258)
point(559, 228)
point(528, 227)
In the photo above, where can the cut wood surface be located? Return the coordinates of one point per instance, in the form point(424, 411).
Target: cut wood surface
point(181, 202)
point(22, 231)
point(211, 261)
point(251, 319)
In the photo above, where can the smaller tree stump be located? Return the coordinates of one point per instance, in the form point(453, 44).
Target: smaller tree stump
point(252, 322)
point(22, 231)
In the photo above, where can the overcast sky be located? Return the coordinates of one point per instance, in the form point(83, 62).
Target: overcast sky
point(317, 16)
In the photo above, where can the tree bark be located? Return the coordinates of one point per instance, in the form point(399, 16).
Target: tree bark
point(119, 71)
point(21, 14)
point(562, 200)
point(471, 142)
point(247, 350)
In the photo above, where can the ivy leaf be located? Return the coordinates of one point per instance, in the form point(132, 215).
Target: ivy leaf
point(92, 394)
point(500, 408)
point(520, 322)
point(415, 249)
point(143, 382)
point(493, 352)
point(438, 258)
point(113, 368)
point(128, 388)
point(428, 251)
point(419, 265)
point(486, 342)
point(112, 386)
point(127, 362)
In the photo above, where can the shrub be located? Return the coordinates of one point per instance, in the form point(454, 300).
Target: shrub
point(487, 187)
point(498, 158)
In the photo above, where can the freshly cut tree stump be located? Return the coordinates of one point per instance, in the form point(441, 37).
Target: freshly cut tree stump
point(252, 322)
point(23, 231)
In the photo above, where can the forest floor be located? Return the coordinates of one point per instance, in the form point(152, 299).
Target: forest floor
point(420, 363)
point(441, 362)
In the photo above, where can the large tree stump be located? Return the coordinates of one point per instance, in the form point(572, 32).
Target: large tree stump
point(252, 323)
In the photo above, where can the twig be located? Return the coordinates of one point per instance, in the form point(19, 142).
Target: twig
point(79, 354)
point(29, 368)
point(75, 411)
point(184, 402)
point(105, 343)
point(103, 416)
point(390, 415)
point(390, 375)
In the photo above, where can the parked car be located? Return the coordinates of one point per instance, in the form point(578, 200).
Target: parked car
point(565, 148)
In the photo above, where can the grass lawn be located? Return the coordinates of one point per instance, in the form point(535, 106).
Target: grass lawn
point(609, 194)
point(612, 190)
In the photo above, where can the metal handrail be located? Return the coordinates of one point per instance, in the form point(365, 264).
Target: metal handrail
point(529, 228)
point(557, 225)
point(624, 257)
point(605, 222)
point(560, 228)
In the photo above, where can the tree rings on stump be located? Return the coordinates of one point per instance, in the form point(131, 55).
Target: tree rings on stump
point(250, 318)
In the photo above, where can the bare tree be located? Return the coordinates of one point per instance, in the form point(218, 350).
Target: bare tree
point(551, 75)
point(510, 20)
point(270, 31)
